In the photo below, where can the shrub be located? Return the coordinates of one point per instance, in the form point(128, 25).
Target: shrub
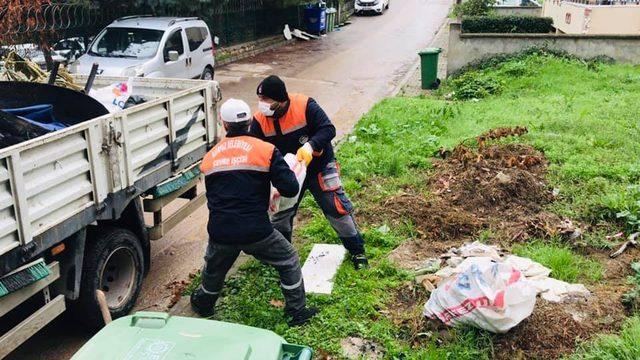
point(473, 8)
point(507, 24)
point(474, 85)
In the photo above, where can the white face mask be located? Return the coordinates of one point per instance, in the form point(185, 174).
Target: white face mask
point(265, 108)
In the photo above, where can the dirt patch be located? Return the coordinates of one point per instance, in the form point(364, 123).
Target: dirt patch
point(358, 348)
point(498, 180)
point(405, 311)
point(553, 330)
point(500, 189)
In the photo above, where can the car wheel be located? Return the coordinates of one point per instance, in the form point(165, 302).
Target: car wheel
point(207, 74)
point(113, 263)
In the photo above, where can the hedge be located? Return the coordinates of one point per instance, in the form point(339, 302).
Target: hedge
point(507, 24)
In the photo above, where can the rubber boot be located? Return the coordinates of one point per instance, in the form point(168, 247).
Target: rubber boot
point(303, 316)
point(203, 303)
point(360, 261)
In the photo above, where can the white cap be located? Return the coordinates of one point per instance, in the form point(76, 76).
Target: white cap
point(234, 111)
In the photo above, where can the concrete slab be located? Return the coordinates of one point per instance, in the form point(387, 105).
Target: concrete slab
point(321, 267)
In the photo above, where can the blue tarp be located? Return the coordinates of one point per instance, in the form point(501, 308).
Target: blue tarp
point(39, 115)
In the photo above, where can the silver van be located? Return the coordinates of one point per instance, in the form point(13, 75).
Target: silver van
point(159, 47)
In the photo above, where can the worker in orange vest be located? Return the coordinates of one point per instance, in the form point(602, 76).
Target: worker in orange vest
point(239, 172)
point(296, 124)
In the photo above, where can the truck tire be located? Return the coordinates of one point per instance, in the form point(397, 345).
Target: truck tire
point(207, 73)
point(114, 263)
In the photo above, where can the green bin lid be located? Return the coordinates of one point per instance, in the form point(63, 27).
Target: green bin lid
point(150, 335)
point(428, 51)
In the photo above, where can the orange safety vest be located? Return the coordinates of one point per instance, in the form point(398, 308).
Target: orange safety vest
point(294, 119)
point(238, 153)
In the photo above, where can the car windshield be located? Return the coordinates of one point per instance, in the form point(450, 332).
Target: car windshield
point(127, 43)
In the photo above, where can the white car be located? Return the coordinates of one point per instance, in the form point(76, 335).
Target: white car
point(377, 6)
point(158, 47)
point(33, 53)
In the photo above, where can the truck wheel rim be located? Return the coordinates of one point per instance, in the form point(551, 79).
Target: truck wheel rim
point(207, 76)
point(118, 276)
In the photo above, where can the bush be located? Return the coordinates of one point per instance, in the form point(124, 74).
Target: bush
point(507, 24)
point(473, 8)
point(474, 85)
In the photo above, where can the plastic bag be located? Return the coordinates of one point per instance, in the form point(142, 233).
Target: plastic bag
point(114, 97)
point(279, 203)
point(485, 294)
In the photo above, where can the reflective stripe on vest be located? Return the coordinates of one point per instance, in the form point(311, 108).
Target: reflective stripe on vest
point(294, 119)
point(238, 153)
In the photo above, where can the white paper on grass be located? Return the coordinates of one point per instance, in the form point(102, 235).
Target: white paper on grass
point(321, 267)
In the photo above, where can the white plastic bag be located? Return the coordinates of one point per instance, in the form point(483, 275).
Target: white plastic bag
point(280, 203)
point(485, 294)
point(115, 96)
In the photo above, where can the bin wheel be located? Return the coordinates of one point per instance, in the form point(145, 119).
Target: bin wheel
point(113, 262)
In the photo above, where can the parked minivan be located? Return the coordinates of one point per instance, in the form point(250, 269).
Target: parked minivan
point(168, 47)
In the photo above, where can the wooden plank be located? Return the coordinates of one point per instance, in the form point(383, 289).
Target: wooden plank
point(10, 301)
point(27, 328)
point(321, 267)
point(158, 231)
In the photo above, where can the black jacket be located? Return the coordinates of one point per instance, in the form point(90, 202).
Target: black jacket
point(319, 131)
point(238, 200)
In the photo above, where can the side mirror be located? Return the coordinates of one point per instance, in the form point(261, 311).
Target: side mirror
point(173, 55)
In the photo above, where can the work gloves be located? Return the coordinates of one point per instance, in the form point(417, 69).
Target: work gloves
point(305, 153)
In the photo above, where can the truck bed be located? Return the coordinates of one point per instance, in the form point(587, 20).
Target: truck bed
point(54, 185)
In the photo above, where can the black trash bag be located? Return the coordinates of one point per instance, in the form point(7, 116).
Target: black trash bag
point(14, 130)
point(69, 107)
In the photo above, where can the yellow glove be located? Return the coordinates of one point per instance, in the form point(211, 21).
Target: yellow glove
point(305, 153)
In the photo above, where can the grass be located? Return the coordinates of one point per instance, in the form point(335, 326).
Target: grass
point(564, 263)
point(582, 116)
point(624, 346)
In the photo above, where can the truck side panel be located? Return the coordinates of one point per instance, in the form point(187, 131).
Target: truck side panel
point(9, 238)
point(57, 181)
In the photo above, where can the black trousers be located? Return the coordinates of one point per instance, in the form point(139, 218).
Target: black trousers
point(273, 250)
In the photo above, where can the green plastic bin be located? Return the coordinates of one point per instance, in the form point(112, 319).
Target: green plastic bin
point(429, 67)
point(151, 335)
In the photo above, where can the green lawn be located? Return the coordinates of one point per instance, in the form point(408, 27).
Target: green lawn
point(584, 117)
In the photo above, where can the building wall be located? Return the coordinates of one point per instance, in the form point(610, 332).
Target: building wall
point(574, 18)
point(467, 48)
point(518, 10)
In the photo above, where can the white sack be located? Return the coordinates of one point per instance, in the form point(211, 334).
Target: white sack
point(485, 294)
point(279, 203)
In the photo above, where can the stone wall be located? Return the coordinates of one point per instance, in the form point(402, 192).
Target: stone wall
point(233, 53)
point(467, 48)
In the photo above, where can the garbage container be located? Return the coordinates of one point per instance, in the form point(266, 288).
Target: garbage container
point(429, 67)
point(331, 19)
point(315, 18)
point(152, 335)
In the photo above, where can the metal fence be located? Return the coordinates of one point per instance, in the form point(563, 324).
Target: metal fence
point(233, 21)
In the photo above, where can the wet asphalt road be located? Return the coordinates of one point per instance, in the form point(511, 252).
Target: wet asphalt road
point(347, 72)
